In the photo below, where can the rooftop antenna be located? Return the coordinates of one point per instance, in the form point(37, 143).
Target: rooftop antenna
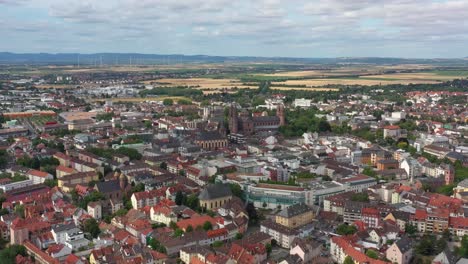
point(100, 63)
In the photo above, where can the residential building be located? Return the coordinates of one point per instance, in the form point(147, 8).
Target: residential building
point(295, 215)
point(400, 251)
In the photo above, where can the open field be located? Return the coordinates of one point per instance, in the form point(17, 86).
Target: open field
point(55, 86)
point(202, 83)
point(315, 89)
point(314, 73)
point(435, 76)
point(351, 81)
point(143, 99)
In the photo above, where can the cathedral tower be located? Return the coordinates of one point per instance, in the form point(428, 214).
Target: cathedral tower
point(233, 119)
point(280, 114)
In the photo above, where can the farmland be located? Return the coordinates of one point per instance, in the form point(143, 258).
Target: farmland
point(145, 99)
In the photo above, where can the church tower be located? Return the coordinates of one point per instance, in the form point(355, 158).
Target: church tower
point(123, 181)
point(233, 119)
point(280, 114)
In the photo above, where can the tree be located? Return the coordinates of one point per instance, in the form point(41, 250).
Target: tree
point(92, 226)
point(217, 244)
point(163, 165)
point(178, 232)
point(369, 172)
point(121, 212)
point(179, 199)
point(4, 211)
point(402, 145)
point(207, 226)
point(236, 190)
point(9, 254)
point(184, 102)
point(462, 251)
point(140, 187)
point(173, 225)
point(264, 205)
point(269, 248)
point(19, 209)
point(360, 197)
point(239, 236)
point(326, 178)
point(252, 212)
point(372, 254)
point(446, 189)
point(348, 260)
point(50, 182)
point(133, 154)
point(323, 126)
point(345, 229)
point(410, 229)
point(168, 102)
point(189, 229)
point(192, 202)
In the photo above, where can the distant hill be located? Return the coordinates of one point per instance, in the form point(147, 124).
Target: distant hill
point(141, 59)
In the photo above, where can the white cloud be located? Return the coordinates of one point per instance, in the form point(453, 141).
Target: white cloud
point(273, 25)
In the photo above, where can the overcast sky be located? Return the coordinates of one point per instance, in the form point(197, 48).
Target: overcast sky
point(294, 28)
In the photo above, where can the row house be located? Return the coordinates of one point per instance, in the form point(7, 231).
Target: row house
point(437, 151)
point(444, 171)
point(39, 176)
point(342, 247)
point(283, 235)
point(90, 157)
point(458, 226)
point(435, 221)
point(370, 216)
point(147, 198)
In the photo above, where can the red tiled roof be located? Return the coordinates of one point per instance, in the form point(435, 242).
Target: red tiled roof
point(54, 249)
point(38, 173)
point(370, 211)
point(458, 222)
point(420, 215)
point(64, 169)
point(31, 247)
point(71, 259)
point(196, 221)
point(158, 255)
point(392, 127)
point(217, 232)
point(356, 255)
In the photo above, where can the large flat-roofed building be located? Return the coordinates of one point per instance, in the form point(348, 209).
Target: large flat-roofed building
point(13, 132)
point(78, 120)
point(321, 190)
point(357, 183)
point(15, 185)
point(272, 196)
point(27, 114)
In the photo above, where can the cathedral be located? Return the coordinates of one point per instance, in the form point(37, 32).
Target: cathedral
point(246, 124)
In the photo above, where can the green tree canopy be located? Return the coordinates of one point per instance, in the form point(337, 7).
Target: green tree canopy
point(92, 226)
point(345, 229)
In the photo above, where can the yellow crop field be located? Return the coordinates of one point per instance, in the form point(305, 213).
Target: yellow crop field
point(55, 86)
point(142, 99)
point(201, 83)
point(426, 76)
point(356, 81)
point(314, 89)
